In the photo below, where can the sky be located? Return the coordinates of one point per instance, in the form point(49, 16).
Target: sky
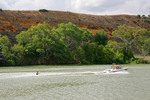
point(96, 7)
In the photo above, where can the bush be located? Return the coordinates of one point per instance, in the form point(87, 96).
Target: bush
point(144, 16)
point(101, 37)
point(134, 22)
point(137, 61)
point(138, 16)
point(43, 10)
point(146, 20)
point(1, 10)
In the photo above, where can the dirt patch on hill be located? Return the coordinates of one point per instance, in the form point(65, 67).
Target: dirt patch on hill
point(13, 22)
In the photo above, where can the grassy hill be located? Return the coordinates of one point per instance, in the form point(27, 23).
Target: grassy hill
point(13, 22)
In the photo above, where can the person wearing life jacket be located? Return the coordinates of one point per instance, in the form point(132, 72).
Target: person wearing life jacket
point(37, 73)
point(116, 66)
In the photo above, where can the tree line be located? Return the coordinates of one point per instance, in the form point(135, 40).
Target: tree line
point(69, 44)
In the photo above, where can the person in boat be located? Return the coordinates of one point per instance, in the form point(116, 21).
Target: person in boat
point(37, 73)
point(116, 67)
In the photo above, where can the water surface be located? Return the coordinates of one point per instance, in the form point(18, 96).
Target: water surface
point(74, 83)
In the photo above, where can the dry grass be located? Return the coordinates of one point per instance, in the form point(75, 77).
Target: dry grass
point(13, 22)
point(146, 58)
point(25, 19)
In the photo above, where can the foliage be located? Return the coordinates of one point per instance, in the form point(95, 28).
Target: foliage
point(69, 44)
point(115, 45)
point(131, 37)
point(143, 43)
point(127, 54)
point(134, 22)
point(72, 35)
point(79, 56)
point(4, 47)
point(109, 56)
point(138, 16)
point(119, 57)
point(143, 16)
point(1, 9)
point(147, 20)
point(43, 45)
point(43, 10)
point(92, 52)
point(17, 52)
point(101, 37)
point(98, 54)
point(4, 41)
point(127, 35)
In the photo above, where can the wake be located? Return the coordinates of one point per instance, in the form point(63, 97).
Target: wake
point(33, 74)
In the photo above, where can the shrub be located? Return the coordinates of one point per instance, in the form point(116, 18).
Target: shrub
point(144, 16)
point(101, 37)
point(43, 10)
point(1, 10)
point(134, 22)
point(148, 15)
point(138, 16)
point(140, 61)
point(146, 20)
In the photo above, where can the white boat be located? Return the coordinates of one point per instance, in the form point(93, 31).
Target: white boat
point(116, 69)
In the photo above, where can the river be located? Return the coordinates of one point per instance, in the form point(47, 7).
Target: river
point(74, 83)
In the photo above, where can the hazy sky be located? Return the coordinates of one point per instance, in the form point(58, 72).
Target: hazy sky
point(101, 7)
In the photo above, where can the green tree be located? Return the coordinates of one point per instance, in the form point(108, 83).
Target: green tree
point(79, 56)
point(101, 37)
point(73, 36)
point(4, 48)
point(4, 41)
point(143, 43)
point(119, 57)
point(90, 51)
point(94, 53)
point(86, 36)
point(5, 51)
point(115, 45)
point(109, 55)
point(43, 45)
point(128, 35)
point(98, 54)
point(17, 52)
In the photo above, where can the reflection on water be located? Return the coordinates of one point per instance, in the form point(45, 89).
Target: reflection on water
point(74, 83)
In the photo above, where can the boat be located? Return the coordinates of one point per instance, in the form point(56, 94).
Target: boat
point(116, 69)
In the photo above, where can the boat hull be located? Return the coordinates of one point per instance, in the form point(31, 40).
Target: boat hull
point(116, 71)
point(119, 72)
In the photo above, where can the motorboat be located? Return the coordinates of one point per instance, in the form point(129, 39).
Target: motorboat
point(116, 69)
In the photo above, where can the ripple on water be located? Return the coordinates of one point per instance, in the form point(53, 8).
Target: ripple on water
point(75, 84)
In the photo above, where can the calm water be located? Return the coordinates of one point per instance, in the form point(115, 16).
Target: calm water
point(74, 83)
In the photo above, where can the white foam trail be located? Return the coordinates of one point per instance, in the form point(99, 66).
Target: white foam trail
point(118, 73)
point(33, 74)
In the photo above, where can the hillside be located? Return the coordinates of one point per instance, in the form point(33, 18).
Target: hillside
point(13, 22)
